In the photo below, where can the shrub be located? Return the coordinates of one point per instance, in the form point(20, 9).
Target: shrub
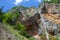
point(21, 28)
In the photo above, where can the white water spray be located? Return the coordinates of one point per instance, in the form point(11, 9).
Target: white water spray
point(44, 24)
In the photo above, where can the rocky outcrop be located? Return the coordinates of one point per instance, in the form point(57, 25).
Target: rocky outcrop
point(29, 17)
point(31, 24)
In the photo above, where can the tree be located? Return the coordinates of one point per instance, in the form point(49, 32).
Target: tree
point(51, 1)
point(1, 14)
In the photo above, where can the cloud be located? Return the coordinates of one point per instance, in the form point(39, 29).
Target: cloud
point(39, 0)
point(19, 1)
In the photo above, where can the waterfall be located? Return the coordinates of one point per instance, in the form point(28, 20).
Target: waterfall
point(44, 25)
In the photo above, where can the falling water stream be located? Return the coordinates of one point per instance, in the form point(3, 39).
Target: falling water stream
point(44, 25)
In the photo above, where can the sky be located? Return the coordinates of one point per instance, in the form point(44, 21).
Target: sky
point(8, 4)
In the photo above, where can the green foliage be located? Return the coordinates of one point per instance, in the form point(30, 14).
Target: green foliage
point(7, 16)
point(21, 29)
point(54, 1)
point(1, 14)
point(58, 1)
point(14, 32)
point(19, 26)
point(24, 33)
point(51, 1)
point(32, 38)
point(10, 18)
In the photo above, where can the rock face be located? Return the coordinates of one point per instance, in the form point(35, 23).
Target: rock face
point(44, 9)
point(32, 24)
point(4, 35)
point(52, 28)
point(53, 14)
point(31, 20)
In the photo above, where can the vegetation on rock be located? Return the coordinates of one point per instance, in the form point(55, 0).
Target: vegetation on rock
point(23, 26)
